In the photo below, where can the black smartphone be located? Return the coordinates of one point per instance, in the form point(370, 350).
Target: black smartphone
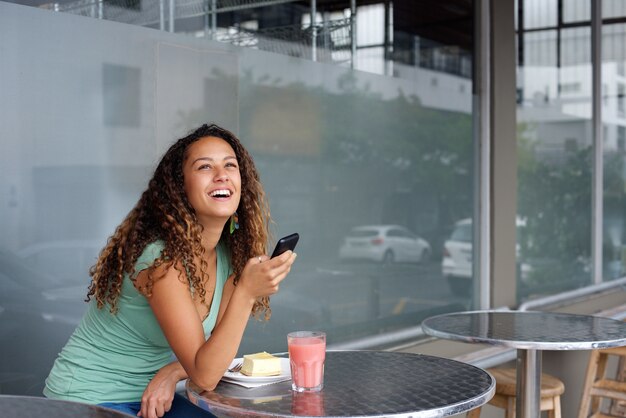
point(286, 243)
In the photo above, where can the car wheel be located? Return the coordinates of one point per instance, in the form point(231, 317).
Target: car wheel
point(460, 286)
point(388, 257)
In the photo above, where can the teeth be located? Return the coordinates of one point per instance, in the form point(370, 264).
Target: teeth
point(224, 192)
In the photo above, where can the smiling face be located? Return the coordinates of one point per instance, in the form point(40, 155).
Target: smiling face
point(212, 180)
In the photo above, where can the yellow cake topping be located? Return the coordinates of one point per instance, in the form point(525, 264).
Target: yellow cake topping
point(261, 364)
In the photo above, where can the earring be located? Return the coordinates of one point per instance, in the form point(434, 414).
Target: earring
point(234, 222)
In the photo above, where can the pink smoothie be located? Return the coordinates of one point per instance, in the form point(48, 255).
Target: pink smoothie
point(306, 356)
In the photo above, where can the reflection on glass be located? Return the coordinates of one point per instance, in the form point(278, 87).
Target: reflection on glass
point(120, 95)
point(576, 10)
point(457, 258)
point(554, 158)
point(384, 244)
point(614, 128)
point(539, 13)
point(540, 51)
point(373, 181)
point(613, 8)
point(377, 162)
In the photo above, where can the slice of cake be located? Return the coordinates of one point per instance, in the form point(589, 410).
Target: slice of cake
point(261, 364)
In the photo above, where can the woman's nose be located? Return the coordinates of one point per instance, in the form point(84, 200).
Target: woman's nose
point(221, 176)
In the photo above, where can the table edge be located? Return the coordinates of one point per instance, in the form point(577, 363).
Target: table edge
point(519, 344)
point(449, 410)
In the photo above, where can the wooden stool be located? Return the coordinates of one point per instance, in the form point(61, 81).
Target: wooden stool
point(506, 384)
point(597, 386)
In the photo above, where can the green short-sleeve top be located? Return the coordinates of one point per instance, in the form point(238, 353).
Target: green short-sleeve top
point(112, 358)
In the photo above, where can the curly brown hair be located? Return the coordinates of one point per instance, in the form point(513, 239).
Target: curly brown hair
point(164, 213)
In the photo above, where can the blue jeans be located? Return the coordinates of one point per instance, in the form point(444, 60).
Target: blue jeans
point(181, 408)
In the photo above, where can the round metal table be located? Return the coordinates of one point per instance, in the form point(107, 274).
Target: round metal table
point(361, 384)
point(30, 406)
point(529, 333)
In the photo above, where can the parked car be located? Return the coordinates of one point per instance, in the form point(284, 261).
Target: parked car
point(456, 264)
point(384, 243)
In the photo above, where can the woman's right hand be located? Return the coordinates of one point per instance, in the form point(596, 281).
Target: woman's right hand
point(262, 276)
point(158, 395)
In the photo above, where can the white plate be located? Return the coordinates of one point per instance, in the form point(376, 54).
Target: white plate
point(237, 376)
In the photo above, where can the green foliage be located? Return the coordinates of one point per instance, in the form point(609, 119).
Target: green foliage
point(554, 199)
point(387, 142)
point(430, 148)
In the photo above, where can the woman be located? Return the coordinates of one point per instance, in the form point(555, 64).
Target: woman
point(188, 262)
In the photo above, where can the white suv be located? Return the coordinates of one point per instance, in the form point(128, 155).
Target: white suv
point(456, 264)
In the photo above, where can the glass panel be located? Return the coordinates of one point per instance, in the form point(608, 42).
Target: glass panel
point(462, 233)
point(369, 29)
point(539, 13)
point(336, 148)
point(554, 162)
point(540, 51)
point(576, 10)
point(614, 128)
point(613, 8)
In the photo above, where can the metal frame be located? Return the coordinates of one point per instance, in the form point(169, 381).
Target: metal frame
point(553, 302)
point(582, 294)
point(597, 172)
point(482, 269)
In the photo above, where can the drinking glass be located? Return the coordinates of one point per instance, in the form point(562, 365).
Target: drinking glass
point(307, 351)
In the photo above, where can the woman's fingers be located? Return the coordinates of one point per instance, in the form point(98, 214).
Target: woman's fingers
point(277, 268)
point(280, 272)
point(160, 410)
point(285, 259)
point(154, 408)
point(151, 410)
point(284, 266)
point(262, 275)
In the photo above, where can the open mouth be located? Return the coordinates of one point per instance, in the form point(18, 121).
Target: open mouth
point(221, 193)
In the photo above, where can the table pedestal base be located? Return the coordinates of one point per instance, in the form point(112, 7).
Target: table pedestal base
point(528, 396)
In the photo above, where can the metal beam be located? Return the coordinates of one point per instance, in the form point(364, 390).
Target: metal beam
point(596, 120)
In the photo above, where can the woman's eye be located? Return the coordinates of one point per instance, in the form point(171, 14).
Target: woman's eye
point(204, 167)
point(231, 165)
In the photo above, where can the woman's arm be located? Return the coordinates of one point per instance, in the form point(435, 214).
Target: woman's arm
point(159, 394)
point(171, 302)
point(227, 292)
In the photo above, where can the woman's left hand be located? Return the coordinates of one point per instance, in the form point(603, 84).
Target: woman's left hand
point(159, 394)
